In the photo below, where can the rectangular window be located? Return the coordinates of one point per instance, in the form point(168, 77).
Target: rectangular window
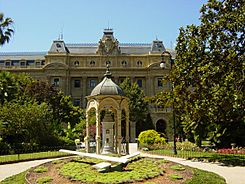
point(77, 83)
point(159, 82)
point(77, 102)
point(56, 82)
point(140, 83)
point(92, 83)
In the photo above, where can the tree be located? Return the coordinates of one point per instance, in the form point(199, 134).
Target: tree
point(138, 106)
point(13, 86)
point(5, 29)
point(62, 107)
point(208, 75)
point(27, 122)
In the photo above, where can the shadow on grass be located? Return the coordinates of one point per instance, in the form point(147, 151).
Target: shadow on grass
point(224, 159)
point(227, 160)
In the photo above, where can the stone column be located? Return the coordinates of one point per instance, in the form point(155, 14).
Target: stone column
point(132, 131)
point(84, 87)
point(127, 132)
point(98, 137)
point(87, 138)
point(119, 133)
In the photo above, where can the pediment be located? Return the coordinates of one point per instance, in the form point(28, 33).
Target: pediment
point(55, 66)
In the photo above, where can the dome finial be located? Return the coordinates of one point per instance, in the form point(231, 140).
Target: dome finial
point(108, 73)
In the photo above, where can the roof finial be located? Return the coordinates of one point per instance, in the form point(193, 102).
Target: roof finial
point(108, 73)
point(156, 37)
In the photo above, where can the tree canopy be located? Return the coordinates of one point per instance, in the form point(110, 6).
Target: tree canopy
point(6, 30)
point(138, 106)
point(36, 113)
point(208, 75)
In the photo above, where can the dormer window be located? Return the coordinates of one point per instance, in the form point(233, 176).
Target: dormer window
point(38, 64)
point(22, 64)
point(139, 63)
point(7, 63)
point(124, 63)
point(76, 63)
point(92, 63)
point(58, 45)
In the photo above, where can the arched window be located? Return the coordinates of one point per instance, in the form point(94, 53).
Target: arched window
point(76, 63)
point(139, 63)
point(124, 63)
point(92, 63)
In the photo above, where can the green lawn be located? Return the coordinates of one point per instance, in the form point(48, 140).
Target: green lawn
point(30, 156)
point(18, 179)
point(205, 177)
point(226, 159)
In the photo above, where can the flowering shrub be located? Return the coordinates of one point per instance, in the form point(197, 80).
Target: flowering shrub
point(232, 151)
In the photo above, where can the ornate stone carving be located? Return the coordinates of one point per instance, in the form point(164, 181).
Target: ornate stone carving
point(108, 45)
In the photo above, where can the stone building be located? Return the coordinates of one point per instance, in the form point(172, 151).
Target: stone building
point(77, 68)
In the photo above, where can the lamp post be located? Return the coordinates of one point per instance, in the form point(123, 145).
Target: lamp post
point(163, 66)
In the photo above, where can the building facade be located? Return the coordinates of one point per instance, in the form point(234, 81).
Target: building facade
point(77, 68)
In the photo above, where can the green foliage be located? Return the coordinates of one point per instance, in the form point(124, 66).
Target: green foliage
point(46, 179)
point(150, 137)
point(134, 171)
point(138, 106)
point(175, 176)
point(6, 30)
point(205, 177)
point(208, 75)
point(4, 159)
point(40, 169)
point(19, 178)
point(57, 161)
point(26, 123)
point(177, 167)
point(35, 113)
point(62, 107)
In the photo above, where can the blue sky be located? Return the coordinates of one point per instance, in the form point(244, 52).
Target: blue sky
point(39, 22)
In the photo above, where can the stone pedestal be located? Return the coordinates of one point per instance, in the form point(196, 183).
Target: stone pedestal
point(107, 139)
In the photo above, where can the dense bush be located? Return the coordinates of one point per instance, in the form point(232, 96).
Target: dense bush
point(183, 146)
point(150, 137)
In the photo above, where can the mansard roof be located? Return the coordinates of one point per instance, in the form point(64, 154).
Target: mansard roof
point(22, 55)
point(126, 48)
